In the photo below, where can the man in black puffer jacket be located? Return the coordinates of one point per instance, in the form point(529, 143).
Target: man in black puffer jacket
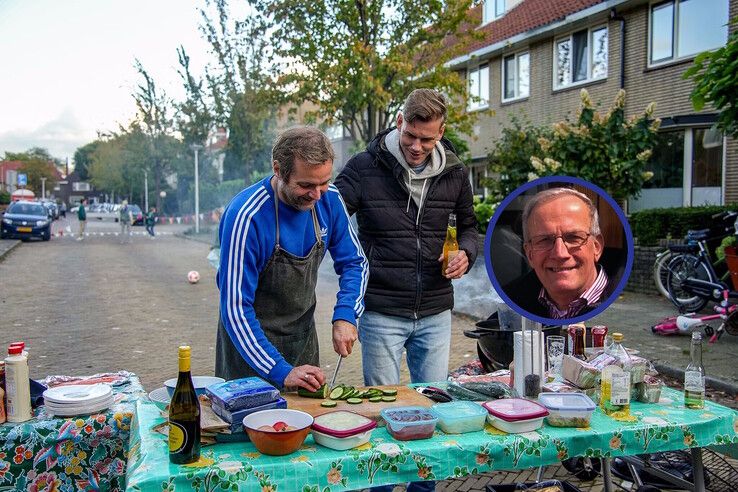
point(403, 188)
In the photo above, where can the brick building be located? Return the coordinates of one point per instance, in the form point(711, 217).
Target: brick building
point(537, 55)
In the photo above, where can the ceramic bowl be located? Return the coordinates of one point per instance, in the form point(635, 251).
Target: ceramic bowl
point(200, 382)
point(160, 397)
point(278, 443)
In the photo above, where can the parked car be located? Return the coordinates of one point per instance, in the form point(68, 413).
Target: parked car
point(52, 207)
point(138, 215)
point(25, 220)
point(102, 211)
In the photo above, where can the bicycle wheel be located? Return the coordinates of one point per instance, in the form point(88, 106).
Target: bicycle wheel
point(661, 271)
point(680, 268)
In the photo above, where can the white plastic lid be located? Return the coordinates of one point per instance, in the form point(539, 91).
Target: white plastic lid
point(515, 409)
point(567, 401)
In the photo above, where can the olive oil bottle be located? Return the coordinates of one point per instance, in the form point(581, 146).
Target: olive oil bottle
point(451, 244)
point(184, 415)
point(694, 376)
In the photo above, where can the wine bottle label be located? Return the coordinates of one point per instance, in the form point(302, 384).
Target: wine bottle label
point(620, 390)
point(694, 381)
point(177, 437)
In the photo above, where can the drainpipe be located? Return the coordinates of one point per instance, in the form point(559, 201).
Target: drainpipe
point(614, 16)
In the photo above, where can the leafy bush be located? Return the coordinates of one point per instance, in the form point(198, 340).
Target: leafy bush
point(720, 251)
point(649, 226)
point(484, 210)
point(4, 197)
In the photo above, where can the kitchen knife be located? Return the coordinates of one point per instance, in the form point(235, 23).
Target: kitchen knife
point(335, 371)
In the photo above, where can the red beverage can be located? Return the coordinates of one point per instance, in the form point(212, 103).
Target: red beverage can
point(598, 336)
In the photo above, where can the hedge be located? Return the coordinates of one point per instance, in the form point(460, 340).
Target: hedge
point(649, 226)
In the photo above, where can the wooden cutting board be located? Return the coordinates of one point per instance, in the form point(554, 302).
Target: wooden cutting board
point(405, 397)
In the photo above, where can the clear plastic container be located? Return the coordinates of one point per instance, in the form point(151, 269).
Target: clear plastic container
point(567, 409)
point(410, 423)
point(240, 394)
point(342, 430)
point(515, 415)
point(459, 417)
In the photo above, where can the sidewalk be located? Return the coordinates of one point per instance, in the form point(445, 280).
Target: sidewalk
point(6, 246)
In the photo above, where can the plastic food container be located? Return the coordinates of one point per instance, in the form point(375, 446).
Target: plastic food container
point(409, 423)
point(458, 417)
point(342, 430)
point(515, 415)
point(567, 409)
point(239, 394)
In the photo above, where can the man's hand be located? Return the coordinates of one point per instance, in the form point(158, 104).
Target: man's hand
point(344, 336)
point(308, 377)
point(457, 266)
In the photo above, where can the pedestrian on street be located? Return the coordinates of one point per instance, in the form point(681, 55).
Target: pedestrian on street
point(125, 217)
point(273, 236)
point(82, 218)
point(63, 210)
point(151, 221)
point(403, 188)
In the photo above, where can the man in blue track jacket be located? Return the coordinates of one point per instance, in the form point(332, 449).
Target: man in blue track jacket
point(273, 237)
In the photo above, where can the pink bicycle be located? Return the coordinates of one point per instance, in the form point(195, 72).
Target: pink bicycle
point(687, 323)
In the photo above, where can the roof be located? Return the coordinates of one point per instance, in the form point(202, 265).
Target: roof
point(524, 17)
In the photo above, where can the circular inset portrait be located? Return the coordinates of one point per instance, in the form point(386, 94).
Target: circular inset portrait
point(559, 250)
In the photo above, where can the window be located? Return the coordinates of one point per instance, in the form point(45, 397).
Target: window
point(581, 57)
point(682, 28)
point(493, 9)
point(81, 186)
point(478, 88)
point(516, 76)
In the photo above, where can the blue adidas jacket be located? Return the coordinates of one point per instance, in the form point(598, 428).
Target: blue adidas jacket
point(247, 240)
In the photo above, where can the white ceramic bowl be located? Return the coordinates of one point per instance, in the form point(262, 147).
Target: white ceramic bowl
point(200, 382)
point(160, 397)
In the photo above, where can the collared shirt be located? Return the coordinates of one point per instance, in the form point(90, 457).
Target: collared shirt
point(589, 297)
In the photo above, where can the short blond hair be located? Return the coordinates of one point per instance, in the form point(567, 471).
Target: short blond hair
point(424, 105)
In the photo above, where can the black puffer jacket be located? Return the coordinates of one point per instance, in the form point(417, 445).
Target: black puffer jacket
point(404, 272)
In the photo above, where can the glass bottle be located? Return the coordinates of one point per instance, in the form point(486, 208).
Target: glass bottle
point(184, 415)
point(451, 244)
point(578, 350)
point(694, 376)
point(615, 384)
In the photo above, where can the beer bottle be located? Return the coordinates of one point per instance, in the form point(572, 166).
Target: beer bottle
point(578, 350)
point(184, 415)
point(451, 244)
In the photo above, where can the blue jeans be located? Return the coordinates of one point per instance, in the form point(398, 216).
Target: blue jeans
point(383, 339)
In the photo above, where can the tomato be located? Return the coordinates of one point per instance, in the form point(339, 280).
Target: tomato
point(279, 426)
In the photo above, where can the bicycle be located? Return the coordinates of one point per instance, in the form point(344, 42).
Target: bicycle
point(685, 324)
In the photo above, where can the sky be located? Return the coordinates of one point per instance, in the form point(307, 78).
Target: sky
point(67, 66)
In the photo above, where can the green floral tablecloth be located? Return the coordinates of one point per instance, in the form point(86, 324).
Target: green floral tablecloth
point(239, 466)
point(70, 454)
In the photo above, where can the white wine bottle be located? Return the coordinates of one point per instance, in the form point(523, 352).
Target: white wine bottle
point(184, 415)
point(694, 376)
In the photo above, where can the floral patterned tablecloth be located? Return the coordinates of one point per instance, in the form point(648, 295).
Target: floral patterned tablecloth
point(239, 466)
point(70, 454)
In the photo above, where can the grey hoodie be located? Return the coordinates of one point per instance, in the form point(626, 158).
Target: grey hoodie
point(417, 183)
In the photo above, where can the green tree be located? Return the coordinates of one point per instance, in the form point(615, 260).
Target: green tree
point(82, 159)
point(715, 82)
point(37, 164)
point(358, 61)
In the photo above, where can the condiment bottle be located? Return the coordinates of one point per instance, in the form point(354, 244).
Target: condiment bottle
point(615, 385)
point(599, 333)
point(451, 244)
point(694, 376)
point(578, 350)
point(17, 386)
point(184, 415)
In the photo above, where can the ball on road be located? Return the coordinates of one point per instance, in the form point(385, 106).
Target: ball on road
point(193, 277)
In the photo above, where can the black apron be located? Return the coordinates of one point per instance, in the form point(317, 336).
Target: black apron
point(284, 304)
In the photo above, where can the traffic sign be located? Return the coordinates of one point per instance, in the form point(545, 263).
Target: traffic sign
point(22, 179)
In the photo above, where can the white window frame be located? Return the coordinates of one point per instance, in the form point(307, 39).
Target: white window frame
point(490, 12)
point(590, 47)
point(675, 57)
point(484, 103)
point(517, 96)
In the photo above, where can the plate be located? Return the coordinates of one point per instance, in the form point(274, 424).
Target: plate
point(73, 411)
point(78, 394)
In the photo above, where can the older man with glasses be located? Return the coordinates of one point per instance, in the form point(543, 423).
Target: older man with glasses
point(563, 244)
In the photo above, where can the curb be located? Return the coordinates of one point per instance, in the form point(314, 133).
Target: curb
point(4, 252)
point(715, 383)
point(193, 238)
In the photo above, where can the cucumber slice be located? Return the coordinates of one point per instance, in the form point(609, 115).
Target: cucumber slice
point(328, 404)
point(389, 399)
point(336, 393)
point(375, 399)
point(354, 401)
point(347, 392)
point(389, 392)
point(322, 392)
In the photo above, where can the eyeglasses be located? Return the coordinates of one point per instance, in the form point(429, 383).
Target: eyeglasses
point(546, 242)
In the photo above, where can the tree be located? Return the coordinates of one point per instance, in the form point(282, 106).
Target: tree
point(37, 164)
point(82, 160)
point(357, 61)
point(715, 82)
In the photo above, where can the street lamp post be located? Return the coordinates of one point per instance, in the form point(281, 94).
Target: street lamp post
point(146, 191)
point(196, 148)
point(43, 187)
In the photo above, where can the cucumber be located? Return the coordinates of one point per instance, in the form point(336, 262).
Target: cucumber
point(336, 393)
point(348, 391)
point(328, 404)
point(389, 399)
point(321, 393)
point(375, 399)
point(354, 401)
point(389, 392)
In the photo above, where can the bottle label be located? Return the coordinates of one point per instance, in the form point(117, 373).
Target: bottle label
point(177, 437)
point(694, 381)
point(620, 390)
